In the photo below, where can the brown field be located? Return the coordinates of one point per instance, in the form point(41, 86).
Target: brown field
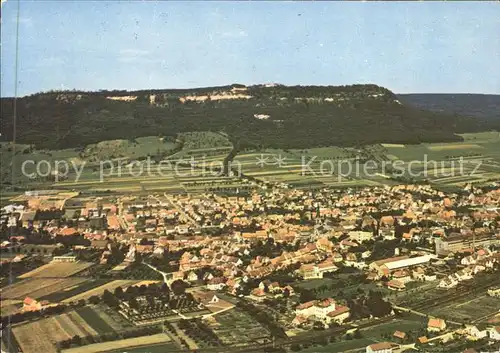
point(99, 290)
point(37, 287)
point(57, 269)
point(41, 336)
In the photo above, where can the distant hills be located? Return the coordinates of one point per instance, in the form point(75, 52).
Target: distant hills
point(478, 105)
point(269, 116)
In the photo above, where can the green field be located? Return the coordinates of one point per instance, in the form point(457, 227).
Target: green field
point(412, 324)
point(94, 320)
point(476, 159)
point(342, 346)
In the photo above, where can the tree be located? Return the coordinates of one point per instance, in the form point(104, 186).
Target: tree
point(94, 299)
point(76, 340)
point(178, 287)
point(109, 299)
point(118, 292)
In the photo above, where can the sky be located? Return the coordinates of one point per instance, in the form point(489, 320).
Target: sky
point(408, 47)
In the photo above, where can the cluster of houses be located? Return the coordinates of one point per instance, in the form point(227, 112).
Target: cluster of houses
point(324, 226)
point(438, 327)
point(479, 261)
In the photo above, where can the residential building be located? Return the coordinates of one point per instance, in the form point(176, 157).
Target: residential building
point(436, 325)
point(381, 347)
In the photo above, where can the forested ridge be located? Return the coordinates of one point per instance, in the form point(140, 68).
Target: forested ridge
point(290, 116)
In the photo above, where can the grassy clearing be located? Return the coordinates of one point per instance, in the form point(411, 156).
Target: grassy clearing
point(133, 149)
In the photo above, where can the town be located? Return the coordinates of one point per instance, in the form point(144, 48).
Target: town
point(376, 269)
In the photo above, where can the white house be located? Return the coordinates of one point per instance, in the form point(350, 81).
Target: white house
point(448, 282)
point(474, 333)
point(316, 308)
point(360, 236)
point(339, 315)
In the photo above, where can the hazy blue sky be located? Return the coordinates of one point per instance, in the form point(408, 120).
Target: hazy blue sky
point(406, 47)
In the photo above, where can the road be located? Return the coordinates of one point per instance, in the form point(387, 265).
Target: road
point(180, 210)
point(167, 276)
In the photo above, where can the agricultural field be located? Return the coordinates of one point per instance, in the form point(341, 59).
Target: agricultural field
point(74, 290)
point(451, 164)
point(42, 335)
point(209, 149)
point(12, 158)
point(235, 327)
point(477, 159)
point(474, 308)
point(58, 270)
point(39, 287)
point(110, 286)
point(173, 174)
point(154, 343)
point(91, 316)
